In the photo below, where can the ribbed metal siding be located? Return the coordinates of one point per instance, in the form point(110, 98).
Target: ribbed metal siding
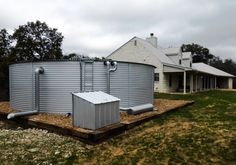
point(20, 76)
point(56, 84)
point(120, 84)
point(100, 79)
point(88, 76)
point(132, 83)
point(140, 85)
point(93, 116)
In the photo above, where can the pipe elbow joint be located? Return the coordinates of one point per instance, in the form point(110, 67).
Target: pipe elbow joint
point(39, 70)
point(10, 116)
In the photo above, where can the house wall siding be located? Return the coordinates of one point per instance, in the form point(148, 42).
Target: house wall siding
point(134, 51)
point(186, 62)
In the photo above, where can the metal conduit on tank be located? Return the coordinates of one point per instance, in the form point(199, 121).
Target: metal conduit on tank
point(37, 72)
point(109, 70)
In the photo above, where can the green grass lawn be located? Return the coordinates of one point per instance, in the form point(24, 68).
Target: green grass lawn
point(203, 133)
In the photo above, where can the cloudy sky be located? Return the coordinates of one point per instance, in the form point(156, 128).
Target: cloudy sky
point(98, 27)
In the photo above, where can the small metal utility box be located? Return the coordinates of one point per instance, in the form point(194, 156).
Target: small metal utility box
point(93, 110)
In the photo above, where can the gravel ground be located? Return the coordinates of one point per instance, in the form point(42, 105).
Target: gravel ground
point(31, 146)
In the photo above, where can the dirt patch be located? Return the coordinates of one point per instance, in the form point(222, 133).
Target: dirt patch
point(161, 106)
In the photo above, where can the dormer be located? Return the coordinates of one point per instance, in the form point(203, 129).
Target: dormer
point(187, 59)
point(174, 53)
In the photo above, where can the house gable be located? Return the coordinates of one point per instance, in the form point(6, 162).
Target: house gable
point(136, 51)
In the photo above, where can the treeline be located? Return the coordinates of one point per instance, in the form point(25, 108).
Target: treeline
point(202, 54)
point(33, 41)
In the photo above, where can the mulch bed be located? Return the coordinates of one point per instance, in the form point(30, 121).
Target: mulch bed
point(59, 121)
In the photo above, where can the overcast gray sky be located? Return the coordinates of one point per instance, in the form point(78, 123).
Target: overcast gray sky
point(98, 27)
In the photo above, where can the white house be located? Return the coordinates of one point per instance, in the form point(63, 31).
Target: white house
point(175, 71)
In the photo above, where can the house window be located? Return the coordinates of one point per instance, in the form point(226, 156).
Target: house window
point(135, 42)
point(190, 64)
point(170, 80)
point(180, 62)
point(156, 76)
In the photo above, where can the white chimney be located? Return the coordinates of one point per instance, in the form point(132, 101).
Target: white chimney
point(152, 40)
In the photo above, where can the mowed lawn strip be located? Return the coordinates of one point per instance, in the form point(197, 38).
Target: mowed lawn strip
point(203, 133)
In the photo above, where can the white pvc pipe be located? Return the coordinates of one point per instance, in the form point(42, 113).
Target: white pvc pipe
point(13, 115)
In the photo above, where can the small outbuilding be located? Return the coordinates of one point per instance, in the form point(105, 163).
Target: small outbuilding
point(93, 110)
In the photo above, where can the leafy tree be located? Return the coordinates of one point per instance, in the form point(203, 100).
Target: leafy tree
point(36, 39)
point(199, 53)
point(70, 56)
point(228, 65)
point(5, 44)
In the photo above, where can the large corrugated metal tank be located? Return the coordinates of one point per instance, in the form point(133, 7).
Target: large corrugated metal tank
point(131, 82)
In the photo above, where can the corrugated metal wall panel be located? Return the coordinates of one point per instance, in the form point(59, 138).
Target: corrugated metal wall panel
point(97, 115)
point(119, 84)
point(99, 79)
point(88, 76)
point(56, 84)
point(20, 76)
point(140, 85)
point(132, 83)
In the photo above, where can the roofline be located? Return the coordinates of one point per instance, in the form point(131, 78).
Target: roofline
point(177, 66)
point(215, 68)
point(213, 74)
point(120, 47)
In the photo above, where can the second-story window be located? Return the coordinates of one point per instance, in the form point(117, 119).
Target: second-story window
point(180, 62)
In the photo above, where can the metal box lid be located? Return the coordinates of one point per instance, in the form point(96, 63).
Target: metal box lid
point(97, 97)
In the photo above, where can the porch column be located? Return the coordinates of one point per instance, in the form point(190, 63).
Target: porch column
point(204, 82)
point(184, 82)
point(209, 82)
point(191, 83)
point(196, 84)
point(215, 82)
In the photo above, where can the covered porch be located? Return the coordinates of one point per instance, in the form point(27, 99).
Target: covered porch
point(192, 81)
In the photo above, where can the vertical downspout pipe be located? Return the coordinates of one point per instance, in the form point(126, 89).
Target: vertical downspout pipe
point(108, 76)
point(109, 69)
point(37, 72)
